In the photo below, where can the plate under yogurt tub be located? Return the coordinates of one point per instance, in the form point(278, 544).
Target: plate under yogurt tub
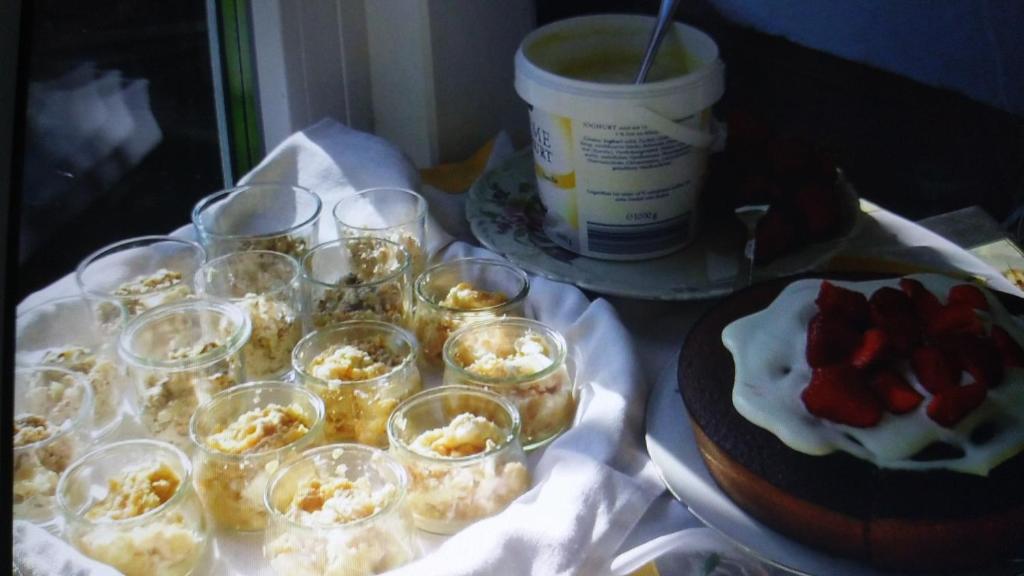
point(506, 215)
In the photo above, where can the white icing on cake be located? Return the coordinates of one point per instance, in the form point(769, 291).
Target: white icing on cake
point(769, 352)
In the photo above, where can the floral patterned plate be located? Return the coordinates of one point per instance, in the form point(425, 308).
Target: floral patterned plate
point(506, 216)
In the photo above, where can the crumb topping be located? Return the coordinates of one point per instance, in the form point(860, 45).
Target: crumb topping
point(146, 284)
point(31, 428)
point(465, 296)
point(262, 430)
point(338, 500)
point(465, 435)
point(135, 492)
point(362, 360)
point(528, 355)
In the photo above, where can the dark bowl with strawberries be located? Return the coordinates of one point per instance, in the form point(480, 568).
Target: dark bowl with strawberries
point(861, 349)
point(809, 200)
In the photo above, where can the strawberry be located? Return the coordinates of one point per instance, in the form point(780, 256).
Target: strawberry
point(836, 393)
point(925, 303)
point(896, 394)
point(955, 318)
point(776, 233)
point(819, 209)
point(753, 188)
point(839, 301)
point(968, 294)
point(892, 311)
point(824, 170)
point(1009, 349)
point(874, 347)
point(790, 159)
point(980, 357)
point(933, 369)
point(747, 131)
point(950, 406)
point(830, 340)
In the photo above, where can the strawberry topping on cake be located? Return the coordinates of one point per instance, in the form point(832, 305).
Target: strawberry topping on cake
point(859, 347)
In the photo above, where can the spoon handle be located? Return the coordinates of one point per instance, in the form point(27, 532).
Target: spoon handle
point(749, 215)
point(665, 13)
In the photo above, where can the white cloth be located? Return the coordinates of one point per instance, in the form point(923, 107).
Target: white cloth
point(591, 485)
point(39, 553)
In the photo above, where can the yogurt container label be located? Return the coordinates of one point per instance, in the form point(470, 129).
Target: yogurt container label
point(615, 189)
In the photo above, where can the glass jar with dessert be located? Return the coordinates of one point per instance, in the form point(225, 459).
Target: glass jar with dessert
point(395, 214)
point(241, 437)
point(461, 448)
point(523, 360)
point(71, 333)
point(339, 511)
point(259, 216)
point(458, 292)
point(131, 505)
point(361, 370)
point(357, 279)
point(53, 409)
point(141, 273)
point(266, 285)
point(180, 355)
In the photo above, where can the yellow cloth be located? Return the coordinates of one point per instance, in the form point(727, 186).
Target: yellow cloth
point(458, 176)
point(647, 570)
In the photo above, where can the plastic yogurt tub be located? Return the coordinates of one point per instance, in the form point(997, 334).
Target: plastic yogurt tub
point(619, 166)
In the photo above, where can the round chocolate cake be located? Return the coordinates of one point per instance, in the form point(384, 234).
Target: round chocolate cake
point(891, 518)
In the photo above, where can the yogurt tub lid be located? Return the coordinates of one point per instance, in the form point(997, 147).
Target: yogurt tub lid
point(542, 87)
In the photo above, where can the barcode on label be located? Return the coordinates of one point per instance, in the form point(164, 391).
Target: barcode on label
point(638, 238)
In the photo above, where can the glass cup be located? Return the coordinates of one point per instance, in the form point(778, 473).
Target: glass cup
point(141, 273)
point(53, 410)
point(437, 314)
point(394, 214)
point(260, 216)
point(164, 533)
point(307, 536)
point(241, 437)
point(361, 370)
point(523, 360)
point(356, 279)
point(266, 285)
point(179, 356)
point(460, 446)
point(71, 333)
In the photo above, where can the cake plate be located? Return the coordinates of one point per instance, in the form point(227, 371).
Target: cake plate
point(673, 449)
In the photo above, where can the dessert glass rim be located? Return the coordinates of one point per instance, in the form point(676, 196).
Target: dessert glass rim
point(233, 343)
point(73, 297)
point(201, 282)
point(115, 247)
point(561, 351)
point(69, 425)
point(210, 199)
point(184, 484)
point(390, 276)
point(318, 422)
point(422, 280)
point(375, 455)
point(421, 208)
point(348, 326)
point(80, 297)
point(511, 433)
